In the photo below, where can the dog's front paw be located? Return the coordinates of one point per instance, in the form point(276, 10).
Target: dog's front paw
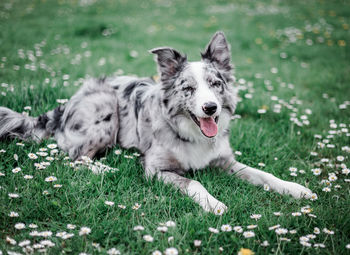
point(215, 206)
point(296, 190)
point(219, 209)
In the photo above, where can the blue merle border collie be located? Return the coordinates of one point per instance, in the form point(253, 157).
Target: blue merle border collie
point(178, 124)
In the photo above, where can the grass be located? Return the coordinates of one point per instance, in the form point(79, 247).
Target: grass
point(78, 39)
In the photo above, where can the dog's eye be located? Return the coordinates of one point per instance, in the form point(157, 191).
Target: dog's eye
point(188, 89)
point(216, 83)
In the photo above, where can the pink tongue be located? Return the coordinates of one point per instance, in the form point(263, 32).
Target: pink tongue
point(208, 126)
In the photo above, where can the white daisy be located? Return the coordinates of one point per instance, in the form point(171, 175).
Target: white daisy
point(213, 230)
point(248, 234)
point(148, 238)
point(197, 243)
point(139, 228)
point(171, 251)
point(109, 203)
point(226, 228)
point(84, 231)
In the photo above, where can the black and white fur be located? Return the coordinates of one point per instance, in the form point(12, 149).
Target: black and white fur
point(178, 124)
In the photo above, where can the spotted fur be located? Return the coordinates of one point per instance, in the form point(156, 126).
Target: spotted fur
point(162, 120)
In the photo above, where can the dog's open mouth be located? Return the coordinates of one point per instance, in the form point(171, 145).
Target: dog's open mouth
point(208, 126)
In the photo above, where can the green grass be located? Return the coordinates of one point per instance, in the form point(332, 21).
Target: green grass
point(63, 27)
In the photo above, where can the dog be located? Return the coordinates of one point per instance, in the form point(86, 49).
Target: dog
point(178, 124)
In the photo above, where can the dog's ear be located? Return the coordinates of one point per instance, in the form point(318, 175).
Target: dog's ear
point(170, 61)
point(218, 52)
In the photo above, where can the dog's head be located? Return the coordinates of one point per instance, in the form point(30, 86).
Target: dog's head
point(197, 96)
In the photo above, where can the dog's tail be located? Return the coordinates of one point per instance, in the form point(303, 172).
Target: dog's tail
point(14, 124)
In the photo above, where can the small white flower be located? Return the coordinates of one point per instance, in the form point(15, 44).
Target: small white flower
point(197, 243)
point(109, 203)
point(113, 251)
point(28, 177)
point(293, 231)
point(319, 245)
point(332, 178)
point(248, 234)
point(265, 243)
point(148, 238)
point(50, 179)
point(340, 158)
point(71, 226)
point(20, 226)
point(326, 189)
point(238, 153)
point(281, 231)
point(32, 225)
point(171, 251)
point(122, 206)
point(162, 229)
point(61, 234)
point(47, 243)
point(226, 228)
point(327, 231)
point(10, 240)
point(277, 213)
point(136, 206)
point(52, 146)
point(293, 169)
point(32, 156)
point(317, 230)
point(13, 214)
point(42, 153)
point(24, 243)
point(67, 236)
point(311, 236)
point(117, 152)
point(251, 226)
point(274, 227)
point(306, 209)
point(345, 171)
point(13, 195)
point(316, 171)
point(347, 246)
point(266, 187)
point(255, 216)
point(306, 244)
point(213, 230)
point(16, 170)
point(296, 214)
point(156, 252)
point(170, 223)
point(139, 228)
point(261, 164)
point(84, 231)
point(45, 233)
point(261, 111)
point(238, 229)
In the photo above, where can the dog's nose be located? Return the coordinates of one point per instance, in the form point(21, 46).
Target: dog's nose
point(209, 108)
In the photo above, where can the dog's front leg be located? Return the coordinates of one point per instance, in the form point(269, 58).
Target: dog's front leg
point(193, 189)
point(154, 166)
point(258, 177)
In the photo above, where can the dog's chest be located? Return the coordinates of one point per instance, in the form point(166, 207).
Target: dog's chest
point(199, 155)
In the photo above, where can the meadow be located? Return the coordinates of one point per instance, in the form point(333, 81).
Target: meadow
point(293, 73)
